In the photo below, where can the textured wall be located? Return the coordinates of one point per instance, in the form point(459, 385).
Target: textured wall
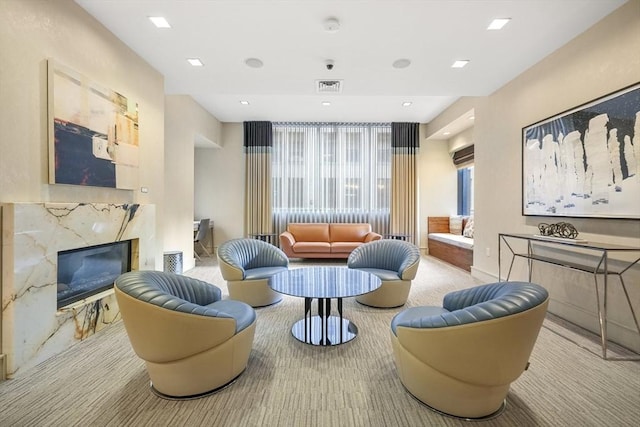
point(30, 33)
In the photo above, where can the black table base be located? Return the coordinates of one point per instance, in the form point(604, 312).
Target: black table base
point(324, 329)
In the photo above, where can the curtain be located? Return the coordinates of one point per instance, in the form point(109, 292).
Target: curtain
point(405, 141)
point(331, 172)
point(258, 143)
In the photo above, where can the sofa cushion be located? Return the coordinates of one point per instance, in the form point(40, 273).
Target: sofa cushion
point(309, 232)
point(306, 247)
point(344, 247)
point(348, 232)
point(452, 239)
point(455, 225)
point(468, 228)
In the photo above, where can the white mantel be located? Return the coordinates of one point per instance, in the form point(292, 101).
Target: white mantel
point(33, 329)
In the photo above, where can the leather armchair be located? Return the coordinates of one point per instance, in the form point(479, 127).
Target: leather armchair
point(461, 358)
point(193, 343)
point(395, 262)
point(247, 265)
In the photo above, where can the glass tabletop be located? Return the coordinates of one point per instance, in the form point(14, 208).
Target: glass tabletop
point(324, 282)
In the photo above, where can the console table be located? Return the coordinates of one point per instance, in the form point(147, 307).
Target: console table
point(601, 266)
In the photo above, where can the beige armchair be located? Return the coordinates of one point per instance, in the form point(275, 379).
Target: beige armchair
point(460, 359)
point(395, 262)
point(247, 265)
point(193, 343)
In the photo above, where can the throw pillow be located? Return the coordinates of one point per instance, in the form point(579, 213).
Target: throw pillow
point(468, 228)
point(455, 225)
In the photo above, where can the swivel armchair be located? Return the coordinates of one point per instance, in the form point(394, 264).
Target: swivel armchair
point(247, 265)
point(395, 262)
point(461, 358)
point(192, 342)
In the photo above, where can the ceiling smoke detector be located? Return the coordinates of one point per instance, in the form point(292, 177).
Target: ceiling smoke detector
point(331, 25)
point(329, 86)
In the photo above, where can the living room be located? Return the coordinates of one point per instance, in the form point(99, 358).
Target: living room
point(599, 61)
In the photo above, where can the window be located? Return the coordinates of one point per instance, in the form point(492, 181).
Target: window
point(331, 168)
point(463, 159)
point(465, 191)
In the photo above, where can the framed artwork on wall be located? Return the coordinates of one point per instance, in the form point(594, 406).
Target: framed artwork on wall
point(585, 162)
point(93, 132)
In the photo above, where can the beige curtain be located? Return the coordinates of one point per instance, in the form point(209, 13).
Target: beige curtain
point(258, 137)
point(404, 143)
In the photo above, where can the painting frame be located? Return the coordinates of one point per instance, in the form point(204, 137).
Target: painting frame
point(93, 132)
point(585, 161)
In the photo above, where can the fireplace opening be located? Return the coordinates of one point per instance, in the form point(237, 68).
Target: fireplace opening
point(87, 271)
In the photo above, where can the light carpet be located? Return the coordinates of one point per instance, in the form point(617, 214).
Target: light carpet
point(101, 382)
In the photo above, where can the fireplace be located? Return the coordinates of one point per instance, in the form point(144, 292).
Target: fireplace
point(88, 271)
point(34, 235)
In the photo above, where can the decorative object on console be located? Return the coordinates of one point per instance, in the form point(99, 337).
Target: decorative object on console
point(560, 229)
point(93, 132)
point(585, 162)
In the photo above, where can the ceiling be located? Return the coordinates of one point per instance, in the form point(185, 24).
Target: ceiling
point(291, 40)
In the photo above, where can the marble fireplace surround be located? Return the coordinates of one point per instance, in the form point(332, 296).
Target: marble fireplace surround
point(33, 329)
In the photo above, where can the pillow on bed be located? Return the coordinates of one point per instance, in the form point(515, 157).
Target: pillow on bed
point(455, 225)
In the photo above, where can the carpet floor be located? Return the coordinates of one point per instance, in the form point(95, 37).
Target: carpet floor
point(101, 382)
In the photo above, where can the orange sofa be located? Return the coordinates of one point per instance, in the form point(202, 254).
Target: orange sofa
point(323, 240)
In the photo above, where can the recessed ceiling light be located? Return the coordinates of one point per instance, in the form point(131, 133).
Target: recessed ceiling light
point(195, 62)
point(253, 62)
point(326, 103)
point(460, 63)
point(401, 63)
point(498, 24)
point(472, 117)
point(406, 103)
point(159, 22)
point(244, 102)
point(446, 133)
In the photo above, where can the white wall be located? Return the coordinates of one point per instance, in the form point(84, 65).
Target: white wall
point(600, 61)
point(603, 59)
point(437, 184)
point(220, 175)
point(461, 140)
point(185, 122)
point(32, 31)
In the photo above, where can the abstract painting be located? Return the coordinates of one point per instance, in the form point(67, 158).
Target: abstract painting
point(585, 162)
point(93, 132)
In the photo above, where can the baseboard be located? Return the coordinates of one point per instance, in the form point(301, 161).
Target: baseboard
point(620, 334)
point(3, 367)
point(482, 275)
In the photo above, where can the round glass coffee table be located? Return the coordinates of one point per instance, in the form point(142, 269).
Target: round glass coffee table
point(324, 284)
